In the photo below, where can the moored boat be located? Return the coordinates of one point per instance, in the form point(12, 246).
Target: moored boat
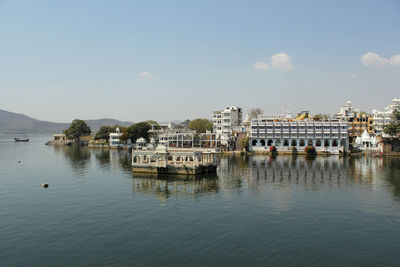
point(21, 140)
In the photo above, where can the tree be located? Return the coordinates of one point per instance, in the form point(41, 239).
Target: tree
point(393, 128)
point(137, 130)
point(104, 132)
point(320, 117)
point(77, 129)
point(201, 125)
point(255, 112)
point(243, 143)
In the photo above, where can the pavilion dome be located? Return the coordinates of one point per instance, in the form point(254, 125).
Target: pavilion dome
point(141, 140)
point(365, 137)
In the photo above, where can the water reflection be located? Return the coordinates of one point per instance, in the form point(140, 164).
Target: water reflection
point(103, 158)
point(256, 173)
point(391, 167)
point(166, 186)
point(311, 172)
point(77, 156)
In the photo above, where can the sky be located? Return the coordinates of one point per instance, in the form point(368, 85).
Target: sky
point(173, 60)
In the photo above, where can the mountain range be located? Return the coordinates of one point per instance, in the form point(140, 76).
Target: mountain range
point(11, 122)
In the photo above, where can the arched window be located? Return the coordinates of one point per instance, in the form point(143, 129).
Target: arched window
point(335, 143)
point(301, 143)
point(326, 143)
point(270, 143)
point(254, 142)
point(285, 143)
point(170, 158)
point(262, 142)
point(294, 143)
point(278, 142)
point(318, 143)
point(343, 143)
point(310, 143)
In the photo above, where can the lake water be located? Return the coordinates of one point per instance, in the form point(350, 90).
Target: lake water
point(290, 211)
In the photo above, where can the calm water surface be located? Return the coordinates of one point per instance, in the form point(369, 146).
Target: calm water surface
point(291, 211)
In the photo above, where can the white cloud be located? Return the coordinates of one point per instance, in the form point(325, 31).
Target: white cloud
point(353, 76)
point(281, 61)
point(261, 66)
point(145, 74)
point(278, 61)
point(395, 60)
point(372, 59)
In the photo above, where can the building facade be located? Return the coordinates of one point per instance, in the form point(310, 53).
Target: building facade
point(346, 112)
point(360, 123)
point(114, 140)
point(224, 122)
point(383, 118)
point(324, 136)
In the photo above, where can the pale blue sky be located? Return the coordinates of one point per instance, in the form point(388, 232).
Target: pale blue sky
point(164, 60)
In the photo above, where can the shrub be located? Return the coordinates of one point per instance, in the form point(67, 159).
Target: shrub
point(310, 150)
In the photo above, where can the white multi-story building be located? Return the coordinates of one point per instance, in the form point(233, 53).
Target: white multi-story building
point(114, 138)
point(346, 112)
point(382, 118)
point(224, 122)
point(324, 136)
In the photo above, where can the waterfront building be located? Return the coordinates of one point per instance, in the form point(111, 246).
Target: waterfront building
point(324, 136)
point(59, 137)
point(163, 160)
point(114, 140)
point(366, 141)
point(383, 118)
point(223, 123)
point(360, 123)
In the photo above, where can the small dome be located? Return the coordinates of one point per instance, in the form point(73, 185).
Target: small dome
point(141, 140)
point(162, 149)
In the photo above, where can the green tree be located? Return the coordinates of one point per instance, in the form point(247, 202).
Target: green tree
point(320, 117)
point(393, 128)
point(77, 129)
point(137, 130)
point(200, 125)
point(104, 132)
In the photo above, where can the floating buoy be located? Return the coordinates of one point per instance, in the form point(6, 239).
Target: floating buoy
point(45, 185)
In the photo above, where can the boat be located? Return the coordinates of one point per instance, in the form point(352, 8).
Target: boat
point(21, 140)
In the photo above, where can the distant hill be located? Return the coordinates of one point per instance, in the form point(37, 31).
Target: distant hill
point(11, 122)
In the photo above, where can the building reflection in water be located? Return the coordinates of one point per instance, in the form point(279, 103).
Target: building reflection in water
point(312, 172)
point(76, 156)
point(166, 186)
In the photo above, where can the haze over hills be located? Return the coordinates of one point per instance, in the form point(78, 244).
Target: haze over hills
point(11, 122)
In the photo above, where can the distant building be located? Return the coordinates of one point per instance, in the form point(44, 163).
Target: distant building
point(114, 140)
point(383, 118)
point(276, 117)
point(346, 112)
point(360, 123)
point(224, 122)
point(324, 136)
point(59, 137)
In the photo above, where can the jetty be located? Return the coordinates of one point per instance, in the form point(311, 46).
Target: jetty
point(173, 161)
